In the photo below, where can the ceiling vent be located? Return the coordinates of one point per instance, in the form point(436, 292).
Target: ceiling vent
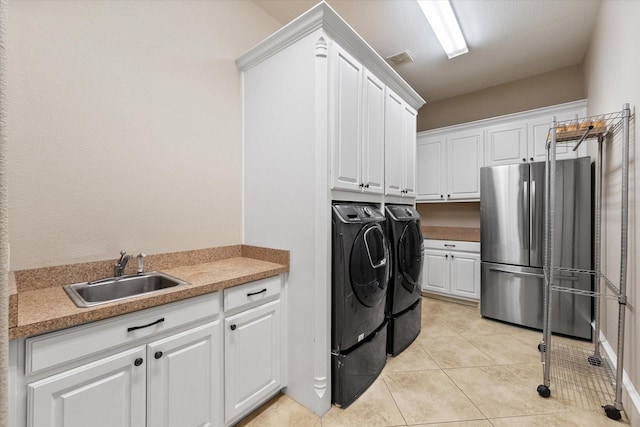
point(400, 58)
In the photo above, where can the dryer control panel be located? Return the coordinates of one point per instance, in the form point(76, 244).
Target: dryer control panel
point(358, 213)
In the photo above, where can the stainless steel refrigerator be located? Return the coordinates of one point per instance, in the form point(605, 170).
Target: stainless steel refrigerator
point(512, 245)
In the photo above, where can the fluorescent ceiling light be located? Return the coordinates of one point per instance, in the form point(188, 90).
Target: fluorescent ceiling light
point(444, 23)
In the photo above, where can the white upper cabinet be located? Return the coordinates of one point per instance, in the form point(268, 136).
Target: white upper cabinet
point(449, 159)
point(400, 146)
point(432, 170)
point(507, 144)
point(346, 89)
point(373, 134)
point(465, 158)
point(357, 125)
point(538, 131)
point(449, 165)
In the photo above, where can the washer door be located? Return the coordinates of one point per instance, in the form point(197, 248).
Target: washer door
point(410, 255)
point(369, 265)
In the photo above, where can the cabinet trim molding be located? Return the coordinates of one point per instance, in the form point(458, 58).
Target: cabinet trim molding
point(322, 16)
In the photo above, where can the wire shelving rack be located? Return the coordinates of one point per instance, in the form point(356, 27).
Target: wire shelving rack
point(588, 375)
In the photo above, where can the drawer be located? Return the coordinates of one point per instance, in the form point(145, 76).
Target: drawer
point(452, 245)
point(252, 293)
point(55, 348)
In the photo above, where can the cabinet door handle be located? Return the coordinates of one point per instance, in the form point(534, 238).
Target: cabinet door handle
point(446, 256)
point(250, 294)
point(138, 361)
point(158, 355)
point(441, 196)
point(133, 328)
point(366, 186)
point(361, 185)
point(531, 158)
point(233, 327)
point(448, 196)
point(524, 160)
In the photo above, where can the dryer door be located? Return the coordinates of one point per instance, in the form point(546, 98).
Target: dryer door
point(406, 287)
point(369, 265)
point(410, 255)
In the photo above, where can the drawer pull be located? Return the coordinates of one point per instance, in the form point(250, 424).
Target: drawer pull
point(250, 294)
point(133, 328)
point(449, 246)
point(138, 361)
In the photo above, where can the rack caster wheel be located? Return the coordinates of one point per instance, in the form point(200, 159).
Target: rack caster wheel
point(544, 391)
point(594, 360)
point(541, 348)
point(612, 412)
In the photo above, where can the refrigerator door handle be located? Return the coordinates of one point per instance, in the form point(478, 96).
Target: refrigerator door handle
point(524, 273)
point(518, 273)
point(532, 210)
point(526, 211)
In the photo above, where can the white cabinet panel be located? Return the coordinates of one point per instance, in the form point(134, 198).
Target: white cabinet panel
point(184, 378)
point(346, 91)
point(393, 144)
point(506, 144)
point(253, 348)
point(465, 269)
point(106, 393)
point(436, 271)
point(464, 160)
point(373, 134)
point(452, 268)
point(400, 147)
point(409, 151)
point(538, 132)
point(431, 170)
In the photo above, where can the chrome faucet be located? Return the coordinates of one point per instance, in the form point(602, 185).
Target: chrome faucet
point(121, 264)
point(141, 262)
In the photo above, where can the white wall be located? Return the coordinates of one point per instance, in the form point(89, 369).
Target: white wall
point(124, 126)
point(612, 74)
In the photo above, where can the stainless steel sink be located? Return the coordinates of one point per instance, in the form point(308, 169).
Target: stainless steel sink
point(88, 294)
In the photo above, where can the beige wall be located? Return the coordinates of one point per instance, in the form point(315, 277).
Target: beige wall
point(124, 126)
point(612, 70)
point(450, 214)
point(555, 87)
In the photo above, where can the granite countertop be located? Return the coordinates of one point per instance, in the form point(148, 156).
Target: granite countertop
point(465, 234)
point(36, 308)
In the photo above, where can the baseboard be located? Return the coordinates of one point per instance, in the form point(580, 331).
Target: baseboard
point(632, 413)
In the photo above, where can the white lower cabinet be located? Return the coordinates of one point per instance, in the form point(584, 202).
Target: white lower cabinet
point(452, 268)
point(170, 376)
point(162, 367)
point(105, 393)
point(183, 378)
point(252, 346)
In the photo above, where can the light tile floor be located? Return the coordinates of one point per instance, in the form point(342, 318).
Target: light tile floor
point(461, 371)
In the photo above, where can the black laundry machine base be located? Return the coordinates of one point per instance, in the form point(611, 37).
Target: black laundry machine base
point(404, 328)
point(352, 373)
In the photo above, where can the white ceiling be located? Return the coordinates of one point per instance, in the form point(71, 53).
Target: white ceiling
point(508, 39)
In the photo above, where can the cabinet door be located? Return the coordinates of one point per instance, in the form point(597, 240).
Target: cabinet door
point(252, 355)
point(185, 377)
point(506, 144)
point(409, 151)
point(465, 157)
point(435, 276)
point(373, 134)
point(432, 177)
point(465, 275)
point(538, 132)
point(106, 393)
point(344, 120)
point(394, 130)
